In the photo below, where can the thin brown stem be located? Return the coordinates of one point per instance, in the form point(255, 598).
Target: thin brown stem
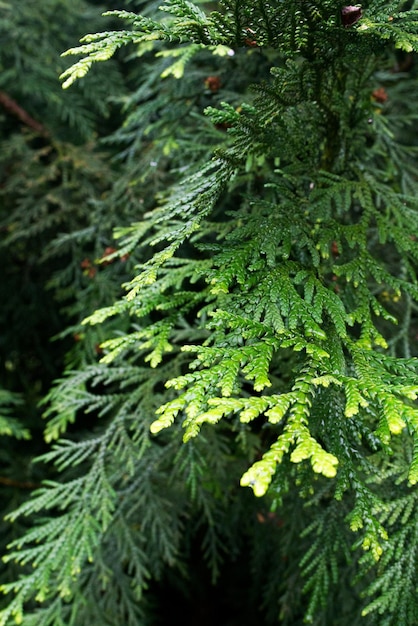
point(18, 484)
point(15, 109)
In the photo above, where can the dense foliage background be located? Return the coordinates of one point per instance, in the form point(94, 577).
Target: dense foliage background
point(231, 201)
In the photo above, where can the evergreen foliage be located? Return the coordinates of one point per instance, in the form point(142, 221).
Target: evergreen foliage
point(263, 195)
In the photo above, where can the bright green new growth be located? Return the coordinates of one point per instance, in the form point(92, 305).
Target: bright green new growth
point(282, 267)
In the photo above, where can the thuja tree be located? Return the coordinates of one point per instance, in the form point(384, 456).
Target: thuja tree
point(266, 338)
point(51, 233)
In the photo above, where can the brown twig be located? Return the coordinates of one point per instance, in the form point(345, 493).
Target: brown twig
point(15, 109)
point(19, 484)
